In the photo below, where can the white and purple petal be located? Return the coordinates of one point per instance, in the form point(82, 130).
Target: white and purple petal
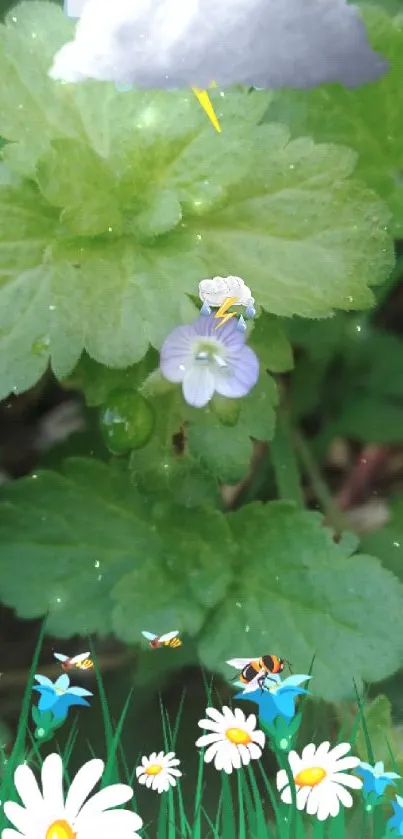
point(240, 376)
point(177, 353)
point(198, 386)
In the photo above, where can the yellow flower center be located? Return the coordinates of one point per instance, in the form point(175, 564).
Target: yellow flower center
point(310, 777)
point(60, 830)
point(153, 769)
point(238, 736)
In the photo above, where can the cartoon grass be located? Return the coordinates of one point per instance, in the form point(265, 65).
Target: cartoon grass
point(321, 791)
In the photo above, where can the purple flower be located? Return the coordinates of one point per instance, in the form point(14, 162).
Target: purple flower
point(207, 360)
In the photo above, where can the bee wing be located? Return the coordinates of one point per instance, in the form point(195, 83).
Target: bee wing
point(81, 657)
point(169, 635)
point(254, 683)
point(60, 656)
point(240, 663)
point(150, 636)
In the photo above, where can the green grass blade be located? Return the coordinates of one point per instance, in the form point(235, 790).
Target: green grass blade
point(108, 728)
point(111, 774)
point(228, 829)
point(18, 751)
point(241, 808)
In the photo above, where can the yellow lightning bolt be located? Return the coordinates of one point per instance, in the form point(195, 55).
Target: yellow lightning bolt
point(223, 313)
point(205, 102)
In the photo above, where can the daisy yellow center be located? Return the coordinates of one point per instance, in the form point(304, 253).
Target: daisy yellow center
point(153, 769)
point(238, 736)
point(60, 830)
point(310, 777)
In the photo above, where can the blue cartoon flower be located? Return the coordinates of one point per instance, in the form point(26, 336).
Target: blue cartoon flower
point(278, 700)
point(396, 821)
point(375, 778)
point(57, 696)
point(207, 357)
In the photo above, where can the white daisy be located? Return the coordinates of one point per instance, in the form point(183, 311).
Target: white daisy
point(48, 814)
point(320, 779)
point(159, 771)
point(234, 740)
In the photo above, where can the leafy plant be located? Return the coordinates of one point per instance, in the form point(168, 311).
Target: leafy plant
point(113, 206)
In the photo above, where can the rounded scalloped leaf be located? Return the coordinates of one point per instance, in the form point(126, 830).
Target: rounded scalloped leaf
point(139, 198)
point(297, 593)
point(368, 119)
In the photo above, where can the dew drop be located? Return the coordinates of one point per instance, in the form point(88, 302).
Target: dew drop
point(14, 19)
point(396, 544)
point(96, 563)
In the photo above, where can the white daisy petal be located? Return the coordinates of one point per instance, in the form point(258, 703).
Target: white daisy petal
point(254, 751)
point(52, 782)
point(209, 725)
point(214, 714)
point(18, 816)
point(345, 763)
point(347, 780)
point(142, 779)
point(94, 818)
point(312, 801)
point(259, 737)
point(81, 786)
point(339, 750)
point(308, 753)
point(149, 781)
point(205, 740)
point(118, 822)
point(323, 811)
point(343, 795)
point(112, 796)
point(281, 779)
point(294, 761)
point(286, 795)
point(302, 797)
point(27, 787)
point(211, 752)
point(322, 751)
point(320, 793)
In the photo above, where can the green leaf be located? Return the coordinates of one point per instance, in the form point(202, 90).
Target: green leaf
point(368, 119)
point(133, 198)
point(281, 224)
point(98, 381)
point(296, 593)
point(378, 721)
point(99, 556)
point(387, 541)
point(271, 344)
point(225, 450)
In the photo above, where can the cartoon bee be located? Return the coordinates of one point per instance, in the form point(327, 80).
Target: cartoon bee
point(80, 662)
point(168, 640)
point(255, 671)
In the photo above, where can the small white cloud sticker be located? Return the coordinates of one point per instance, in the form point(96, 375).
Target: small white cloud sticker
point(215, 291)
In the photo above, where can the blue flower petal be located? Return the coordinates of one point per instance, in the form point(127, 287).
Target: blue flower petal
point(66, 701)
point(62, 682)
point(48, 697)
point(43, 680)
point(77, 691)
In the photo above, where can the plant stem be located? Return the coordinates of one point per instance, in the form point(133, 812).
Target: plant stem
point(285, 463)
point(333, 514)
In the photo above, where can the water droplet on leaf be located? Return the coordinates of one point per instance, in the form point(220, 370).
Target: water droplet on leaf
point(127, 421)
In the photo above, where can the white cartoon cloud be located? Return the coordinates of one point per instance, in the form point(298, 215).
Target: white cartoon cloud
point(215, 291)
point(260, 43)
